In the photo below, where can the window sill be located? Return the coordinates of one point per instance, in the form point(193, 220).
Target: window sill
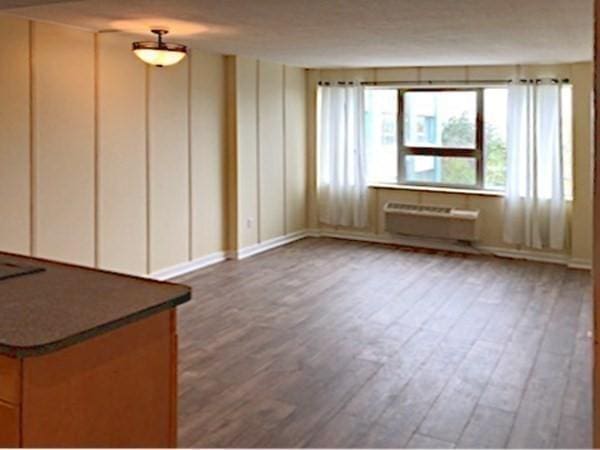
point(443, 190)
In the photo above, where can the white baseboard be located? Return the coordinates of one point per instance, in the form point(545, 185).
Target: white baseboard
point(261, 247)
point(548, 257)
point(434, 244)
point(188, 266)
point(408, 241)
point(217, 257)
point(580, 263)
point(530, 255)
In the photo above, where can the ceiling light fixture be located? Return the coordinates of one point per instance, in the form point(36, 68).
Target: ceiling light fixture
point(159, 53)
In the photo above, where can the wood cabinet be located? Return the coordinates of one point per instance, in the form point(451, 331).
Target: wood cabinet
point(88, 358)
point(10, 380)
point(9, 425)
point(118, 389)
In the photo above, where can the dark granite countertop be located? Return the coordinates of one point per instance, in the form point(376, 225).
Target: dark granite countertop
point(64, 304)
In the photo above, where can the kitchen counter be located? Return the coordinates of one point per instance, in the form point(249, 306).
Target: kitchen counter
point(65, 304)
point(88, 358)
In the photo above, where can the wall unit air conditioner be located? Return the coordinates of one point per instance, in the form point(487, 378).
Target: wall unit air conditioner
point(441, 222)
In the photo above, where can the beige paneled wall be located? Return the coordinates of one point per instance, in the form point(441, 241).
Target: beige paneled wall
point(582, 162)
point(208, 132)
point(269, 150)
point(312, 78)
point(491, 206)
point(169, 166)
point(126, 163)
point(246, 154)
point(122, 197)
point(295, 148)
point(231, 165)
point(14, 136)
point(107, 162)
point(63, 143)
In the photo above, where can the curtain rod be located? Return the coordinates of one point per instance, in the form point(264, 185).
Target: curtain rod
point(443, 82)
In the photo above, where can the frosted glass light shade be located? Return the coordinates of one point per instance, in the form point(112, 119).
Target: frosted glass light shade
point(159, 53)
point(160, 57)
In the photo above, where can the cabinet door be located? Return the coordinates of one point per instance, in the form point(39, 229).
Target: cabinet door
point(9, 426)
point(10, 380)
point(113, 390)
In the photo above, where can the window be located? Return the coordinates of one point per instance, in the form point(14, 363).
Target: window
point(447, 137)
point(381, 134)
point(439, 119)
point(440, 141)
point(436, 136)
point(494, 141)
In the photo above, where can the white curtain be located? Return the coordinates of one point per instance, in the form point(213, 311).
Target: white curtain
point(342, 169)
point(535, 210)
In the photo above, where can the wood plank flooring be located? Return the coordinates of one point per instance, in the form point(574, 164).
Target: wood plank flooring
point(330, 343)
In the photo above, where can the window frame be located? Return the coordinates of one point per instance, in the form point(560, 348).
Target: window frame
point(476, 153)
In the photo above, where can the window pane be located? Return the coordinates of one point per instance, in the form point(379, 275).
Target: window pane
point(442, 170)
point(495, 138)
point(440, 119)
point(381, 112)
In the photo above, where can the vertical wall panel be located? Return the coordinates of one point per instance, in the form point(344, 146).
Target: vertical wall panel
point(208, 153)
point(231, 166)
point(491, 72)
point(271, 151)
point(63, 105)
point(581, 218)
point(247, 164)
point(444, 73)
point(121, 156)
point(545, 71)
point(313, 77)
point(397, 74)
point(14, 136)
point(295, 147)
point(348, 74)
point(168, 165)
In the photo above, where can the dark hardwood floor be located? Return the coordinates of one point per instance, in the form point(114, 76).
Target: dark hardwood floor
point(330, 343)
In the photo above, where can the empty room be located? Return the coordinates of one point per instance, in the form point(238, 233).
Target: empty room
point(299, 224)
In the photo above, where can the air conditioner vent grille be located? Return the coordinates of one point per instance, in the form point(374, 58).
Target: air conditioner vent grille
point(431, 221)
point(419, 208)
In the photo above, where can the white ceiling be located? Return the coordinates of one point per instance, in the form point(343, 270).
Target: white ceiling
point(347, 33)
